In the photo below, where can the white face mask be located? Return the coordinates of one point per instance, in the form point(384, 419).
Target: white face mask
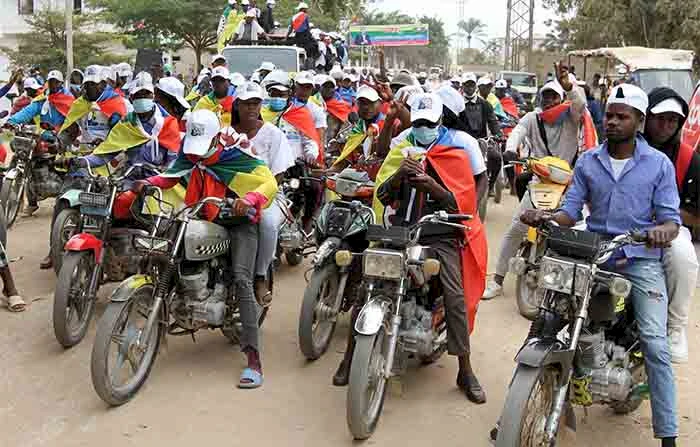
point(426, 135)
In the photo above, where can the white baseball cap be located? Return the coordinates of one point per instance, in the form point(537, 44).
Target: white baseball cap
point(278, 79)
point(93, 73)
point(466, 77)
point(302, 5)
point(31, 83)
point(251, 13)
point(451, 99)
point(249, 90)
point(484, 80)
point(124, 69)
point(220, 72)
point(173, 87)
point(267, 66)
point(349, 76)
point(304, 78)
point(202, 127)
point(553, 86)
point(368, 93)
point(337, 74)
point(427, 106)
point(55, 74)
point(141, 83)
point(407, 92)
point(630, 95)
point(110, 73)
point(668, 105)
point(245, 2)
point(237, 79)
point(501, 83)
point(218, 57)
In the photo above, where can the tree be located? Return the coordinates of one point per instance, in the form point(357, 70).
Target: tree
point(473, 28)
point(45, 43)
point(325, 14)
point(162, 24)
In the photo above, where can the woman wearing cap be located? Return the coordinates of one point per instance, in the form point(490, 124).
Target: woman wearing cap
point(31, 90)
point(75, 82)
point(169, 94)
point(220, 165)
point(271, 145)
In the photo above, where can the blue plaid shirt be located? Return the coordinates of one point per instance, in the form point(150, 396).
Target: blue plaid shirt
point(645, 194)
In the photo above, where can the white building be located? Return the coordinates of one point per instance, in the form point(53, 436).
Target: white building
point(13, 13)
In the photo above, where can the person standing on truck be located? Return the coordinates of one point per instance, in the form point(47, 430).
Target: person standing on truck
point(302, 32)
point(249, 29)
point(266, 19)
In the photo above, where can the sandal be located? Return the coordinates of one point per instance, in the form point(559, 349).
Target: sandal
point(15, 303)
point(263, 295)
point(472, 389)
point(250, 379)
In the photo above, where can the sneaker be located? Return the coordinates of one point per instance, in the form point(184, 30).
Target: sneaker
point(28, 210)
point(493, 289)
point(678, 344)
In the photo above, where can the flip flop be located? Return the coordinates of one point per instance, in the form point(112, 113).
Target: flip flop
point(255, 377)
point(15, 303)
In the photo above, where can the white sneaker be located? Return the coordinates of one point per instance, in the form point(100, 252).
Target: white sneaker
point(678, 344)
point(493, 289)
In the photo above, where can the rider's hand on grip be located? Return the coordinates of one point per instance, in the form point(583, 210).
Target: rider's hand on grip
point(139, 186)
point(534, 218)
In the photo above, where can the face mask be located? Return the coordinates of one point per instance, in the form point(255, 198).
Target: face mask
point(299, 102)
point(143, 105)
point(278, 104)
point(75, 87)
point(425, 135)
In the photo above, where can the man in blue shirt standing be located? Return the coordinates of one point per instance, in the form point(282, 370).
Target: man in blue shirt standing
point(629, 185)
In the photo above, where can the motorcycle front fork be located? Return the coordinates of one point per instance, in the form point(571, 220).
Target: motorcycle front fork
point(394, 334)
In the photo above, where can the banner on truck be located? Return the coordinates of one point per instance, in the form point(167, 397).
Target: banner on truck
point(389, 35)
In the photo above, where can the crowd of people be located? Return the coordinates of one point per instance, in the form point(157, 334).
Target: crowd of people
point(638, 177)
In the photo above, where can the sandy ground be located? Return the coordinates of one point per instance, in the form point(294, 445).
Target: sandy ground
point(47, 399)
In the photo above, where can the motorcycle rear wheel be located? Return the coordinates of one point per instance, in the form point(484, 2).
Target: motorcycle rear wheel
point(314, 335)
point(118, 327)
point(11, 195)
point(71, 298)
point(293, 258)
point(367, 385)
point(522, 421)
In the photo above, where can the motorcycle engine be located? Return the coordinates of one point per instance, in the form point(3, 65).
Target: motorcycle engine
point(290, 237)
point(416, 331)
point(196, 303)
point(606, 377)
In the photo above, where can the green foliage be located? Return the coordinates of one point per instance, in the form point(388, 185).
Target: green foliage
point(325, 14)
point(473, 29)
point(45, 44)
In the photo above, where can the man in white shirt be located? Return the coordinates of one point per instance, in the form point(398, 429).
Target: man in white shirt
point(249, 29)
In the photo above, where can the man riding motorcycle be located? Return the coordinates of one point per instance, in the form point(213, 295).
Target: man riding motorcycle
point(630, 186)
point(337, 111)
point(220, 99)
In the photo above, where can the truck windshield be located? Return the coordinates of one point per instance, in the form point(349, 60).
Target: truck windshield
point(521, 79)
point(246, 60)
point(679, 80)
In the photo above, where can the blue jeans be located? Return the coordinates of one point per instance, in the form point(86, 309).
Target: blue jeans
point(650, 302)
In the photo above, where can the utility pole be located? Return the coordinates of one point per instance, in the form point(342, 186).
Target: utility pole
point(519, 35)
point(69, 37)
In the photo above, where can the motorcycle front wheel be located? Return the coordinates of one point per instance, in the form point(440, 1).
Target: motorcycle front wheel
point(316, 325)
point(367, 385)
point(72, 304)
point(64, 227)
point(528, 405)
point(11, 195)
point(122, 356)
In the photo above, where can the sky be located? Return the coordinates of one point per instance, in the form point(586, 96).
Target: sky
point(491, 12)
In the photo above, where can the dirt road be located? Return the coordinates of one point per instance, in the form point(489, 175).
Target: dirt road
point(191, 399)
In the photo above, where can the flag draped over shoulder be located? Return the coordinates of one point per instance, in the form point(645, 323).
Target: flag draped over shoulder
point(129, 133)
point(557, 114)
point(452, 165)
point(109, 105)
point(223, 108)
point(300, 117)
point(61, 100)
point(357, 136)
point(228, 25)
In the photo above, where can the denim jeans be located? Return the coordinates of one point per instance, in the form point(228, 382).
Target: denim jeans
point(244, 241)
point(268, 232)
point(650, 302)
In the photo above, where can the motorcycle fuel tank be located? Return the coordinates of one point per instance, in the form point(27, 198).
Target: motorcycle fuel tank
point(205, 240)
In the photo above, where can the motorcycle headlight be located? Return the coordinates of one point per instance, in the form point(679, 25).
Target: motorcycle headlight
point(384, 264)
point(558, 275)
point(294, 183)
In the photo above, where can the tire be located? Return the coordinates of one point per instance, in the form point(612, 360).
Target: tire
point(65, 226)
point(293, 258)
point(117, 314)
point(315, 336)
point(498, 189)
point(11, 195)
point(515, 409)
point(363, 416)
point(71, 288)
point(528, 299)
point(3, 227)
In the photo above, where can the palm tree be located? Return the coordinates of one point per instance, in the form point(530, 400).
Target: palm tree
point(473, 28)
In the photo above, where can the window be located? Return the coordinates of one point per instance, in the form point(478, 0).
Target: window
point(25, 7)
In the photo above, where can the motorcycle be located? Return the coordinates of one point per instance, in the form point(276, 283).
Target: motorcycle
point(550, 178)
point(332, 289)
point(102, 250)
point(31, 169)
point(187, 286)
point(488, 145)
point(403, 316)
point(596, 360)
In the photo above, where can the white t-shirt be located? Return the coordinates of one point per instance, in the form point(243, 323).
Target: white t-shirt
point(272, 146)
point(618, 166)
point(461, 139)
point(255, 30)
point(319, 115)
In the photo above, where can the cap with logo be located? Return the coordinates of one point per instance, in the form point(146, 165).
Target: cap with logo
point(249, 90)
point(174, 88)
point(124, 70)
point(278, 79)
point(202, 127)
point(426, 107)
point(142, 82)
point(451, 99)
point(110, 73)
point(367, 93)
point(501, 83)
point(304, 78)
point(93, 73)
point(31, 83)
point(467, 77)
point(629, 95)
point(55, 74)
point(221, 73)
point(671, 105)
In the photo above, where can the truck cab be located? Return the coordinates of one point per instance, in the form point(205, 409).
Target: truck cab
point(523, 82)
point(245, 59)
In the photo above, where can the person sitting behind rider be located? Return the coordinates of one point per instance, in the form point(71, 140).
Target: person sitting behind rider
point(303, 89)
point(628, 185)
point(31, 91)
point(478, 114)
point(220, 99)
point(169, 94)
point(439, 180)
point(217, 167)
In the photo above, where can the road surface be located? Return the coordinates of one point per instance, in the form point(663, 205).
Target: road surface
point(190, 399)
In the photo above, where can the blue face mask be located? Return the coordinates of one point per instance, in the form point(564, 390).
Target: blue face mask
point(278, 104)
point(75, 87)
point(426, 135)
point(143, 105)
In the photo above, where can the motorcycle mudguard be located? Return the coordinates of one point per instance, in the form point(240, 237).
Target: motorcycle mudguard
point(371, 317)
point(85, 242)
point(543, 352)
point(11, 174)
point(70, 197)
point(126, 288)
